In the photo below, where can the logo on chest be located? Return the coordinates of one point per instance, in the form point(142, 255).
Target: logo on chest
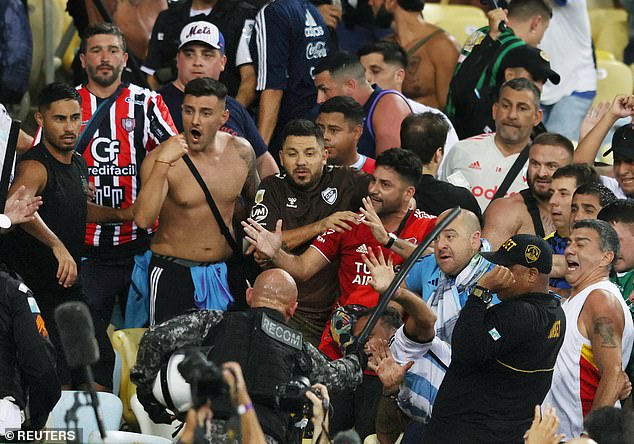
point(292, 202)
point(329, 195)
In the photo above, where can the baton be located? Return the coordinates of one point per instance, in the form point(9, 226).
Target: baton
point(493, 4)
point(398, 279)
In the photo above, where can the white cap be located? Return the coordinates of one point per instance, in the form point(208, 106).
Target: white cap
point(202, 32)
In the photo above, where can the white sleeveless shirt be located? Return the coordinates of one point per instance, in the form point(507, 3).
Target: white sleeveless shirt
point(576, 375)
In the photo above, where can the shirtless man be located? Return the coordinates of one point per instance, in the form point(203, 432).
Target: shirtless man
point(187, 268)
point(511, 215)
point(432, 53)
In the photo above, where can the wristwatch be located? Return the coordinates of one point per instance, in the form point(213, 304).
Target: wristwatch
point(392, 238)
point(483, 294)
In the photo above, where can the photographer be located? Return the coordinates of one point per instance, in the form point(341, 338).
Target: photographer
point(319, 416)
point(197, 419)
point(270, 353)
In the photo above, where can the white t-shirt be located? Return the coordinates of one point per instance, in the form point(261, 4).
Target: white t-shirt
point(478, 164)
point(568, 43)
point(422, 381)
point(614, 186)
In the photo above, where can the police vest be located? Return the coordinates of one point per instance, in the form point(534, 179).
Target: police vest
point(269, 353)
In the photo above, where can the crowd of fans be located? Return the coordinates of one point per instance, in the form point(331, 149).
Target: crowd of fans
point(251, 192)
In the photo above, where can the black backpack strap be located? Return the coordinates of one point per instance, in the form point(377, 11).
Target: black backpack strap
point(533, 210)
point(95, 121)
point(212, 204)
point(512, 174)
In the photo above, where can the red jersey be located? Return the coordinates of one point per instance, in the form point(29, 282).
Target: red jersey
point(138, 121)
point(354, 276)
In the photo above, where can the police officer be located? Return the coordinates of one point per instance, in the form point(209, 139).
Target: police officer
point(27, 357)
point(502, 358)
point(270, 353)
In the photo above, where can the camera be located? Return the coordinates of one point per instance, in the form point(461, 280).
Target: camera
point(204, 376)
point(291, 397)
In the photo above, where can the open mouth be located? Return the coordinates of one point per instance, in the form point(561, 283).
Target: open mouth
point(572, 265)
point(196, 135)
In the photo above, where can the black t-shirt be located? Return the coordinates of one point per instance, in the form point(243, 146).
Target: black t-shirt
point(240, 122)
point(230, 16)
point(435, 196)
point(502, 362)
point(63, 210)
point(339, 189)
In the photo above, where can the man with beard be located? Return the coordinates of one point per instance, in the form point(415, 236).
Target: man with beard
point(432, 53)
point(187, 269)
point(201, 53)
point(311, 198)
point(114, 145)
point(599, 332)
point(46, 250)
point(391, 190)
point(529, 210)
point(482, 162)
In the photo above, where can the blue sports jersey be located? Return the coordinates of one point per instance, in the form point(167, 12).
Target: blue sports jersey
point(290, 40)
point(240, 122)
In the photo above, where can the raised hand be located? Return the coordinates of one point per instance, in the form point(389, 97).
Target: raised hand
point(382, 271)
point(543, 428)
point(266, 242)
point(498, 278)
point(172, 149)
point(594, 115)
point(390, 372)
point(20, 207)
point(373, 221)
point(340, 221)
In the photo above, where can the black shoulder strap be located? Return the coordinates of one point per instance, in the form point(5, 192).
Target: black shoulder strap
point(96, 120)
point(212, 204)
point(513, 172)
point(533, 210)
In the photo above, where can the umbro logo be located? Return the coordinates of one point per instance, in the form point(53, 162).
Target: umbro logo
point(475, 165)
point(363, 249)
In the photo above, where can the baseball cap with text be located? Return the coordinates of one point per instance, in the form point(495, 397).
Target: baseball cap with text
point(202, 32)
point(523, 249)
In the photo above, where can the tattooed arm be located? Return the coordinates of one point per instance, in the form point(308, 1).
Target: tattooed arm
point(603, 322)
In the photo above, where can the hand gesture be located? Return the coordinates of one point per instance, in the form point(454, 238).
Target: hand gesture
point(67, 268)
point(381, 361)
point(331, 15)
point(626, 386)
point(232, 374)
point(340, 221)
point(320, 403)
point(498, 278)
point(20, 207)
point(373, 221)
point(266, 242)
point(172, 149)
point(543, 428)
point(496, 16)
point(382, 271)
point(594, 115)
point(622, 106)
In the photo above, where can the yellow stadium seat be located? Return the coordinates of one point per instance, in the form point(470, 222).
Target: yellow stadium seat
point(435, 13)
point(604, 55)
point(613, 38)
point(613, 77)
point(372, 439)
point(126, 343)
point(602, 17)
